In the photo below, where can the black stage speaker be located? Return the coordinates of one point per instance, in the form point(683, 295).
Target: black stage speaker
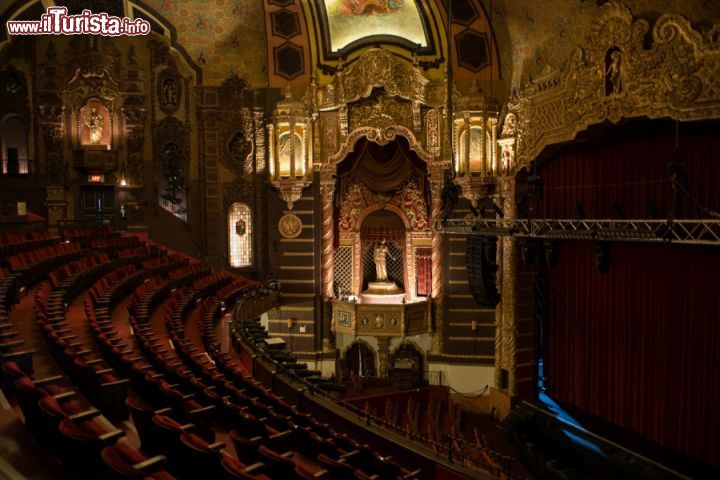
point(481, 269)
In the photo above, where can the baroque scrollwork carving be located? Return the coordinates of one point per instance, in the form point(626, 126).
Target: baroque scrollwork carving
point(615, 76)
point(378, 96)
point(381, 111)
point(381, 137)
point(236, 125)
point(407, 198)
point(399, 78)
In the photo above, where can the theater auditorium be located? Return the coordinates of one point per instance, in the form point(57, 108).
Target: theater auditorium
point(359, 239)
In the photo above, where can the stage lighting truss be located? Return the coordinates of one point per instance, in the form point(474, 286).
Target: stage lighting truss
point(699, 232)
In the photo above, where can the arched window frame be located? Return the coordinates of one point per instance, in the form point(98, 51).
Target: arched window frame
point(240, 235)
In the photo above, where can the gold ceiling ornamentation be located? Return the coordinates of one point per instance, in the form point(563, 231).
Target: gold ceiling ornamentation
point(378, 97)
point(613, 77)
point(381, 111)
point(376, 68)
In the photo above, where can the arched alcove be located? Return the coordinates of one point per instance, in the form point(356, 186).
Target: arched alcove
point(383, 227)
point(13, 142)
point(360, 360)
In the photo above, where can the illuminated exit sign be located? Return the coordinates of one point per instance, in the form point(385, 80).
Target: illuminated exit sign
point(96, 178)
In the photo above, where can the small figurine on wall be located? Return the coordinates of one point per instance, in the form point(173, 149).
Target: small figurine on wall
point(613, 73)
point(169, 92)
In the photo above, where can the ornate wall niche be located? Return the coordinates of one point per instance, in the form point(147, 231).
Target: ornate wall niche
point(95, 125)
point(88, 90)
point(172, 165)
point(169, 90)
point(615, 76)
point(237, 127)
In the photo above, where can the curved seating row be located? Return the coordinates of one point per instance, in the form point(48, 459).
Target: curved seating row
point(180, 395)
point(16, 243)
point(303, 439)
point(86, 442)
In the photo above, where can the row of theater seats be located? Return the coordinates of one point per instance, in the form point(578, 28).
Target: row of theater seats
point(86, 441)
point(179, 397)
point(82, 362)
point(15, 243)
point(265, 428)
point(311, 441)
point(21, 270)
point(88, 444)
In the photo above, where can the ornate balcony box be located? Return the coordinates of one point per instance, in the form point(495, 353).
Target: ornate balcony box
point(381, 320)
point(95, 159)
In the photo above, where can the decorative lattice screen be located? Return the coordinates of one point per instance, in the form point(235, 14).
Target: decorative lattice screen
point(395, 268)
point(342, 269)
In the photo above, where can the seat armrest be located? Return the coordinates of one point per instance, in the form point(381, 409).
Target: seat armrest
point(209, 408)
point(86, 415)
point(254, 468)
point(150, 463)
point(65, 395)
point(111, 437)
point(47, 380)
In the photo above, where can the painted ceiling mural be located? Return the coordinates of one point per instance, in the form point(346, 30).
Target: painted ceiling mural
point(222, 37)
point(351, 20)
point(531, 35)
point(225, 36)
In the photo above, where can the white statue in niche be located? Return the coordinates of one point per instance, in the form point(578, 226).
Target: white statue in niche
point(94, 122)
point(380, 255)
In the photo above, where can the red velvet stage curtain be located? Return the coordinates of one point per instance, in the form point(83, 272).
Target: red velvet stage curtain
point(423, 268)
point(639, 346)
point(629, 165)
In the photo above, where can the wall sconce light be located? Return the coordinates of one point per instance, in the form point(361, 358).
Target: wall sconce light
point(290, 148)
point(473, 325)
point(290, 322)
point(123, 180)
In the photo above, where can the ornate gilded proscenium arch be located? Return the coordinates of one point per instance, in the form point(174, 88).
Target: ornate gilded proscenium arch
point(614, 77)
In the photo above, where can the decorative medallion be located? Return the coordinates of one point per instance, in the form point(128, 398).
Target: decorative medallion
point(290, 226)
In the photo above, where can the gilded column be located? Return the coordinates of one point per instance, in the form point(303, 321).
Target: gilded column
point(506, 331)
point(437, 262)
point(327, 190)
